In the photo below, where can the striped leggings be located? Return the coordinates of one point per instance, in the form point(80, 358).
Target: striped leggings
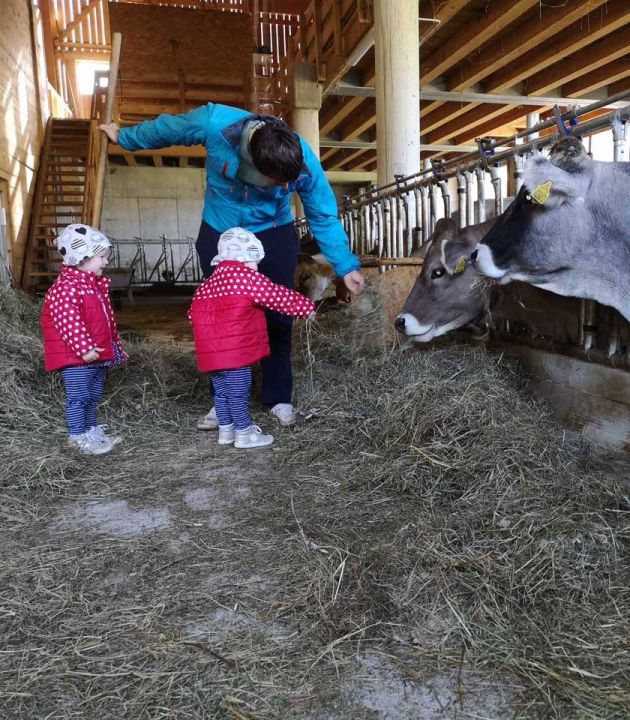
point(231, 396)
point(84, 387)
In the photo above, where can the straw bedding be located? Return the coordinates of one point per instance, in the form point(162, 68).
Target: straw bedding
point(425, 509)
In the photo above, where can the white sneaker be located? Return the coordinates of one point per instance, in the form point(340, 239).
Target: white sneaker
point(227, 434)
point(252, 437)
point(209, 421)
point(90, 445)
point(100, 433)
point(284, 413)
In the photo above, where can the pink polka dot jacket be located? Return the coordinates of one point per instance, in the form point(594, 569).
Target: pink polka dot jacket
point(228, 319)
point(77, 316)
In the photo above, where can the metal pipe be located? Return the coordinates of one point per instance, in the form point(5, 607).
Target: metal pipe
point(461, 199)
point(498, 194)
point(481, 194)
point(417, 240)
point(446, 197)
point(453, 167)
point(426, 213)
point(470, 200)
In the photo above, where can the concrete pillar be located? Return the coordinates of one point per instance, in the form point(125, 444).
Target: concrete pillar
point(397, 52)
point(305, 101)
point(533, 118)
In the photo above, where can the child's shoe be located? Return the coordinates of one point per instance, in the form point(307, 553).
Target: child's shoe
point(89, 445)
point(252, 437)
point(209, 421)
point(100, 433)
point(227, 434)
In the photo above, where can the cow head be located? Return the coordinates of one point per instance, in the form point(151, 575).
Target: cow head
point(535, 239)
point(312, 277)
point(447, 293)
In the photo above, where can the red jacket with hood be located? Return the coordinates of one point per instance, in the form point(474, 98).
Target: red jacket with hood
point(228, 321)
point(77, 316)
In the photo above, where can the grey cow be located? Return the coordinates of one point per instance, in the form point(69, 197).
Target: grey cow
point(442, 300)
point(568, 230)
point(447, 293)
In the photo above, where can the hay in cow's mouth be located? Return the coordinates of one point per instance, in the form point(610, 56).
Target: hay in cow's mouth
point(428, 521)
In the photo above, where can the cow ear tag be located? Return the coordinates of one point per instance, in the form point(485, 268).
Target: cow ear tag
point(460, 267)
point(541, 193)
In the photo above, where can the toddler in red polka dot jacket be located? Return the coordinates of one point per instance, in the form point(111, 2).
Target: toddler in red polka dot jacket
point(80, 334)
point(230, 330)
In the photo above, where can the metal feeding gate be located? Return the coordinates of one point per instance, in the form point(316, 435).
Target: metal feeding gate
point(397, 220)
point(156, 261)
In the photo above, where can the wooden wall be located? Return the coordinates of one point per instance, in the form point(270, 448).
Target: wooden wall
point(22, 117)
point(173, 59)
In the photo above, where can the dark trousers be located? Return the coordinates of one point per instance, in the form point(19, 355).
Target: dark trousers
point(279, 263)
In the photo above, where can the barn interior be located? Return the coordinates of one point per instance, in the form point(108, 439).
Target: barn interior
point(398, 597)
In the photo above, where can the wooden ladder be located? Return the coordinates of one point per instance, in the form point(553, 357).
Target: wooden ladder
point(63, 195)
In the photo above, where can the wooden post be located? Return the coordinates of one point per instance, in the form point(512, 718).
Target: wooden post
point(101, 168)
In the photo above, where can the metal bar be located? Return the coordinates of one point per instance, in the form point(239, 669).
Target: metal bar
point(348, 90)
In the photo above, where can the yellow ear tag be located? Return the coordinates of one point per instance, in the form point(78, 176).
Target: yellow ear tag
point(460, 267)
point(541, 194)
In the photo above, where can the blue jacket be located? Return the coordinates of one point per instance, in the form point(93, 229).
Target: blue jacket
point(231, 203)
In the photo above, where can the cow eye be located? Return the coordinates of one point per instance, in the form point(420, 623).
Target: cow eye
point(438, 272)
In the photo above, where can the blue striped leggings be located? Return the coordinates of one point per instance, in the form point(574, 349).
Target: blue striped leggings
point(84, 387)
point(231, 396)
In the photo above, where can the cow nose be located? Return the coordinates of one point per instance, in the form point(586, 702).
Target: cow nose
point(399, 323)
point(473, 257)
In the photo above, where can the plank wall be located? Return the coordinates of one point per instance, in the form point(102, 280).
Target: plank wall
point(22, 118)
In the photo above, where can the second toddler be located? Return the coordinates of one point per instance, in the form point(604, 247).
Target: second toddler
point(230, 330)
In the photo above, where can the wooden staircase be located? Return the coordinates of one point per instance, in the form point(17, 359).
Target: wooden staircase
point(63, 195)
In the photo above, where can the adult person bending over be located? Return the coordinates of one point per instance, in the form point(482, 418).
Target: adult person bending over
point(253, 164)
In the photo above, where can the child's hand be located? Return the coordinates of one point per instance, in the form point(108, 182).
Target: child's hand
point(111, 130)
point(92, 355)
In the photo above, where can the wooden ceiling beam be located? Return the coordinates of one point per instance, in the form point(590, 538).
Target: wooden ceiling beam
point(613, 47)
point(360, 161)
point(360, 122)
point(487, 128)
point(470, 119)
point(597, 25)
point(472, 36)
point(540, 25)
point(445, 12)
point(447, 112)
point(605, 75)
point(335, 112)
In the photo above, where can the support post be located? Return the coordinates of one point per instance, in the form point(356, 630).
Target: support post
point(101, 167)
point(305, 101)
point(397, 54)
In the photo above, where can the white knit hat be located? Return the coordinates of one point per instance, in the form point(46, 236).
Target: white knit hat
point(78, 242)
point(239, 244)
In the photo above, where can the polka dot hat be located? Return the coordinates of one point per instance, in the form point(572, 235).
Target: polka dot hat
point(78, 242)
point(239, 244)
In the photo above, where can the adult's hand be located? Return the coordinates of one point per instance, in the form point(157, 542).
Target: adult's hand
point(111, 130)
point(354, 281)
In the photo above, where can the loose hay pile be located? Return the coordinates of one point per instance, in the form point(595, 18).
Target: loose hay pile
point(427, 511)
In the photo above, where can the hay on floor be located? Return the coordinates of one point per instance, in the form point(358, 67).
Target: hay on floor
point(424, 508)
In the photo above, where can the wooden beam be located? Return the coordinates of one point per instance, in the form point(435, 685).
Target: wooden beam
point(360, 122)
point(77, 20)
point(447, 112)
point(157, 161)
point(487, 128)
point(472, 36)
point(598, 24)
point(129, 158)
point(445, 12)
point(174, 151)
point(613, 47)
point(469, 120)
point(605, 75)
point(541, 24)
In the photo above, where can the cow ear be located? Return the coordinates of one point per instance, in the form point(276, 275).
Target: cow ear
point(549, 186)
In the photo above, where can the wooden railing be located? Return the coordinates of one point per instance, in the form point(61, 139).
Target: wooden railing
point(328, 33)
